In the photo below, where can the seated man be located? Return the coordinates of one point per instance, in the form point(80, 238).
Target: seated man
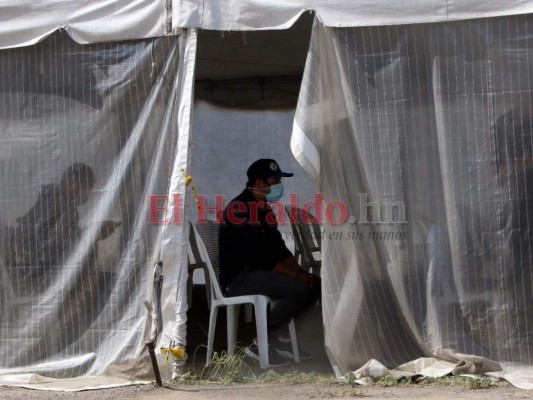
point(38, 253)
point(255, 260)
point(50, 229)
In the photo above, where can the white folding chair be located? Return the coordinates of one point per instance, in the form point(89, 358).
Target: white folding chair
point(207, 240)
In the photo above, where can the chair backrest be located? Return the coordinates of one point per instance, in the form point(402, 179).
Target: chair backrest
point(298, 246)
point(306, 221)
point(307, 235)
point(206, 235)
point(195, 260)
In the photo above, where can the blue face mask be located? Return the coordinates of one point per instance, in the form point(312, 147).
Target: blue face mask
point(276, 191)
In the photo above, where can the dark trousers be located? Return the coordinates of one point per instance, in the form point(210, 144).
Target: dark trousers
point(291, 295)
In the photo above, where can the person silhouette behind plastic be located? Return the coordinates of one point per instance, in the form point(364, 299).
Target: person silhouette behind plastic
point(39, 251)
point(514, 175)
point(50, 229)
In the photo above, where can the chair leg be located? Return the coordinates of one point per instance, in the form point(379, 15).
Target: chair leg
point(211, 334)
point(294, 341)
point(207, 287)
point(262, 331)
point(189, 290)
point(232, 326)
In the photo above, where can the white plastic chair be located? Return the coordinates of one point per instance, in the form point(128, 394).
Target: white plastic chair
point(207, 240)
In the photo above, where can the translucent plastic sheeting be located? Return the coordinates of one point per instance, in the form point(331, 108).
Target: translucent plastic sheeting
point(88, 134)
point(426, 132)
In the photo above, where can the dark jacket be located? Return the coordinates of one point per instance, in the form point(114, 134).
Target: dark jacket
point(248, 238)
point(48, 231)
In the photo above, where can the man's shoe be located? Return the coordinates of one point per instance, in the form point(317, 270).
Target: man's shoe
point(274, 360)
point(284, 349)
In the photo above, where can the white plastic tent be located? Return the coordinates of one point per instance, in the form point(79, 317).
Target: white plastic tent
point(409, 113)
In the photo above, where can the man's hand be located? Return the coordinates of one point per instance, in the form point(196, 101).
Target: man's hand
point(306, 278)
point(298, 273)
point(291, 263)
point(107, 228)
point(293, 270)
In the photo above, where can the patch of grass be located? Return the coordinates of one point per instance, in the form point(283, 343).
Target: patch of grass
point(350, 392)
point(392, 381)
point(225, 368)
point(466, 382)
point(349, 379)
point(293, 376)
point(188, 378)
point(269, 376)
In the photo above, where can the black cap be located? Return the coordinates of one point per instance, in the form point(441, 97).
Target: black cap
point(264, 169)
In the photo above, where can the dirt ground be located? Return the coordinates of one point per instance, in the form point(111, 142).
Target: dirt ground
point(270, 391)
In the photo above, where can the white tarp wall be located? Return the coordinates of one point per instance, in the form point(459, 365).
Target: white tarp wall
point(281, 14)
point(86, 21)
point(436, 118)
point(219, 166)
point(88, 133)
point(90, 21)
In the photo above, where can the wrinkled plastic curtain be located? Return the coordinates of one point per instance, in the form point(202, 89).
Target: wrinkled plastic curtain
point(434, 121)
point(88, 133)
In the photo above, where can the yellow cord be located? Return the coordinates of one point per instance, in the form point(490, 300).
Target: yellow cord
point(189, 182)
point(177, 352)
